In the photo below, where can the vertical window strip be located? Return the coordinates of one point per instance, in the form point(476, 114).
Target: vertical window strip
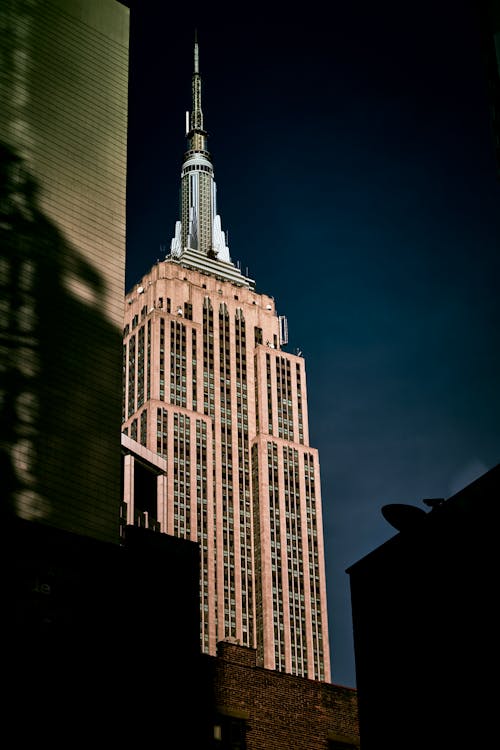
point(315, 594)
point(148, 362)
point(269, 396)
point(178, 368)
point(209, 409)
point(244, 481)
point(227, 472)
point(276, 567)
point(279, 396)
point(202, 533)
point(259, 626)
point(208, 359)
point(299, 404)
point(124, 380)
point(182, 476)
point(131, 376)
point(256, 386)
point(295, 562)
point(162, 360)
point(161, 432)
point(140, 367)
point(194, 371)
point(288, 414)
point(144, 428)
point(284, 398)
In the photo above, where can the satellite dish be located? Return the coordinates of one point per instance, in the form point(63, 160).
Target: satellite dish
point(433, 502)
point(402, 516)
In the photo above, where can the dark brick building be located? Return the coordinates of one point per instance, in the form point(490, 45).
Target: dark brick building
point(262, 709)
point(424, 621)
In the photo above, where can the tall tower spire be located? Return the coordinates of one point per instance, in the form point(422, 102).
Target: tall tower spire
point(196, 121)
point(218, 410)
point(199, 241)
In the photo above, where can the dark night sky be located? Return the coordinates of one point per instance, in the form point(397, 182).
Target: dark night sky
point(356, 178)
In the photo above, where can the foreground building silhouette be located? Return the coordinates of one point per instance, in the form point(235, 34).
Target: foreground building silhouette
point(424, 617)
point(219, 410)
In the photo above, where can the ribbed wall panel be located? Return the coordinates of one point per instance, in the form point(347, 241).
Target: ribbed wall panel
point(64, 94)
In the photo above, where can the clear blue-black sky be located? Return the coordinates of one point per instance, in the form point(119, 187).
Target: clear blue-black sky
point(356, 176)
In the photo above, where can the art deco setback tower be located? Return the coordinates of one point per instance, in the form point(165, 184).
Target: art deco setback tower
point(219, 410)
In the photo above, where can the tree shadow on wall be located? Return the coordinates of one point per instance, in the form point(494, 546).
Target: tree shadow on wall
point(60, 377)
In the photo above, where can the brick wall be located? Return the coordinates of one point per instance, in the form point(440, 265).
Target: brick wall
point(281, 710)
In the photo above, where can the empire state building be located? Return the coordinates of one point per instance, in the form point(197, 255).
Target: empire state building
point(216, 435)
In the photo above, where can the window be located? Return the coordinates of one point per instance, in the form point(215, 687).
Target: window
point(229, 733)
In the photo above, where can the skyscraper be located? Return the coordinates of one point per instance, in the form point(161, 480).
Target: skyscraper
point(63, 144)
point(216, 409)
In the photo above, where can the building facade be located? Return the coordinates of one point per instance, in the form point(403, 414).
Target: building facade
point(209, 388)
point(63, 144)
